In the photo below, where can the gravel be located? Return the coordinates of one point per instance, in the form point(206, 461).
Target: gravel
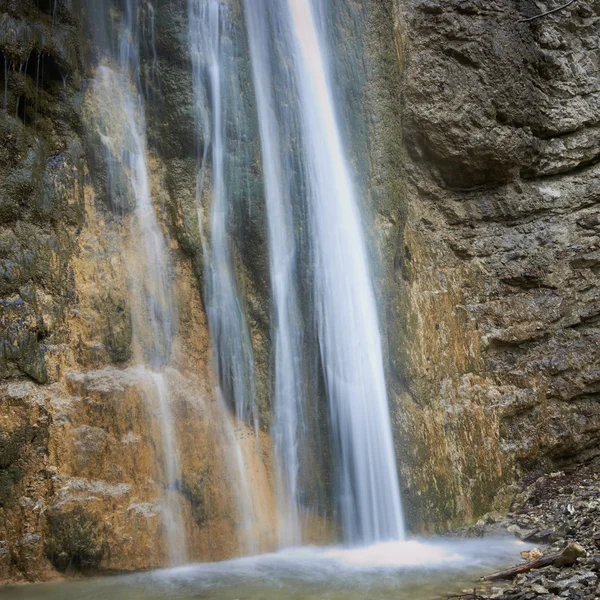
point(555, 511)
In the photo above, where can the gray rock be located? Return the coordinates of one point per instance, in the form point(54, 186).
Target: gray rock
point(570, 555)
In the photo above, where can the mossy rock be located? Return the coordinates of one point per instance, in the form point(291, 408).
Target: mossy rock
point(14, 449)
point(195, 490)
point(74, 541)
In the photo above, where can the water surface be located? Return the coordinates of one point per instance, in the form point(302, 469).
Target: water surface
point(395, 570)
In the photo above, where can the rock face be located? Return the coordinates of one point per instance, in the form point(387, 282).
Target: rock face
point(81, 460)
point(81, 472)
point(495, 293)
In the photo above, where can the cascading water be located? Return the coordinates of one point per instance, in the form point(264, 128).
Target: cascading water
point(154, 316)
point(345, 311)
point(173, 517)
point(345, 308)
point(287, 333)
point(308, 188)
point(216, 87)
point(220, 129)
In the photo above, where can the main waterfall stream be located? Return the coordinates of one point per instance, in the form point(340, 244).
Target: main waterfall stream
point(344, 308)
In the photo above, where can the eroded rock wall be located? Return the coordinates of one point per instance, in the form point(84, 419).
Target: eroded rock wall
point(494, 299)
point(81, 459)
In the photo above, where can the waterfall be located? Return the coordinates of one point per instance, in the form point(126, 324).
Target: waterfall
point(287, 334)
point(318, 264)
point(173, 517)
point(222, 133)
point(122, 125)
point(284, 33)
point(216, 87)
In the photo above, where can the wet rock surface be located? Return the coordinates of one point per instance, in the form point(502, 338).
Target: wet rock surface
point(82, 476)
point(80, 455)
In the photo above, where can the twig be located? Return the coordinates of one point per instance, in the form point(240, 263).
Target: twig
point(549, 12)
point(538, 563)
point(473, 596)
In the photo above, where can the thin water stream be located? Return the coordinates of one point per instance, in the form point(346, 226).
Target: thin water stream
point(276, 122)
point(122, 126)
point(216, 88)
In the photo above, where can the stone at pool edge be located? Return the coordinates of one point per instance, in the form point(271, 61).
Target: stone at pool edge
point(570, 554)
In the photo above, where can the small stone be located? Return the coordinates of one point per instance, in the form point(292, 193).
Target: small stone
point(542, 535)
point(429, 7)
point(558, 534)
point(522, 534)
point(572, 582)
point(530, 555)
point(570, 554)
point(539, 589)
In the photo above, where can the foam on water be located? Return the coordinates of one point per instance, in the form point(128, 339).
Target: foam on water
point(394, 554)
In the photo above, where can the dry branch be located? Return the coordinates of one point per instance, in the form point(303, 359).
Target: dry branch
point(473, 596)
point(549, 12)
point(538, 563)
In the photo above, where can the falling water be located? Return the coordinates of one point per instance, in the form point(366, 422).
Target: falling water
point(216, 87)
point(248, 544)
point(345, 308)
point(221, 129)
point(154, 317)
point(345, 311)
point(287, 334)
point(176, 539)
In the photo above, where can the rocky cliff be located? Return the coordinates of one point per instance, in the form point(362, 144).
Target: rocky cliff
point(494, 292)
point(476, 138)
point(81, 467)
